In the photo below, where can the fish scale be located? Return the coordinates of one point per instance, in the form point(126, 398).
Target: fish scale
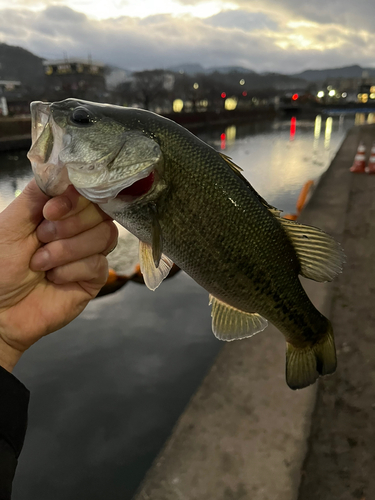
point(202, 214)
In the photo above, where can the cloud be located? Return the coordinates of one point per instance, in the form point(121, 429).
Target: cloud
point(266, 40)
point(242, 19)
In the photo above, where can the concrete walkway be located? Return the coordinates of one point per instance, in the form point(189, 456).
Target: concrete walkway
point(244, 434)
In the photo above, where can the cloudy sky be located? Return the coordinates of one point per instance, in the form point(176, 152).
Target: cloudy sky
point(264, 35)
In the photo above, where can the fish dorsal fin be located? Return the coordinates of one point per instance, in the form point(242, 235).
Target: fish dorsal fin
point(237, 170)
point(231, 163)
point(229, 323)
point(153, 275)
point(320, 256)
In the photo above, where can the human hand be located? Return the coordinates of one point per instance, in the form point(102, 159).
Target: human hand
point(52, 264)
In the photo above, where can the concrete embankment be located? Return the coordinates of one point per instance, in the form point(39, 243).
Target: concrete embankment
point(245, 435)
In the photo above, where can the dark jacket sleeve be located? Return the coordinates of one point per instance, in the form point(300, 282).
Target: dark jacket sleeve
point(14, 401)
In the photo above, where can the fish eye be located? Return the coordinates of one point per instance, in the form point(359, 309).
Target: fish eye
point(82, 116)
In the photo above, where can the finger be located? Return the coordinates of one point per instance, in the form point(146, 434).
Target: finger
point(65, 205)
point(93, 269)
point(99, 239)
point(22, 216)
point(86, 219)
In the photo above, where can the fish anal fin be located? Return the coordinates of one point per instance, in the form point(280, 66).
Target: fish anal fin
point(153, 275)
point(304, 365)
point(229, 323)
point(320, 256)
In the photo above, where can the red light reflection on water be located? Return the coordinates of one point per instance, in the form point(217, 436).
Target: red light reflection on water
point(293, 122)
point(222, 140)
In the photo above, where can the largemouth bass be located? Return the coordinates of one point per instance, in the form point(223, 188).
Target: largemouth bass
point(190, 205)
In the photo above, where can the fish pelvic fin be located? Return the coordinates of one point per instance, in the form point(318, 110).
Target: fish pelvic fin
point(304, 365)
point(229, 323)
point(320, 256)
point(153, 275)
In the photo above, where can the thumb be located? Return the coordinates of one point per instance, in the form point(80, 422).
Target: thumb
point(25, 213)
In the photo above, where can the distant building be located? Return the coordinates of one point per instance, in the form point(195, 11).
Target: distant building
point(82, 78)
point(7, 86)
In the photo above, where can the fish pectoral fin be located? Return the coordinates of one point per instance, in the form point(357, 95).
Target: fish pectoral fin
point(304, 365)
point(153, 275)
point(157, 237)
point(320, 256)
point(229, 323)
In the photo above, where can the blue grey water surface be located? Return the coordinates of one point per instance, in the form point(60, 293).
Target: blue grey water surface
point(107, 389)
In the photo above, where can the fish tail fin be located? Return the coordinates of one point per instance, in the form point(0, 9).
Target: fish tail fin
point(304, 365)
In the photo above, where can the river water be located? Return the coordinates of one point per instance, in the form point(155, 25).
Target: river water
point(107, 389)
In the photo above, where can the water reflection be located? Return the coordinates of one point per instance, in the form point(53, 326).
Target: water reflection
point(230, 133)
point(360, 119)
point(293, 122)
point(277, 166)
point(15, 173)
point(317, 126)
point(328, 132)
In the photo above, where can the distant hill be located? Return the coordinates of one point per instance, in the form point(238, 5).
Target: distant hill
point(189, 69)
point(229, 69)
point(20, 64)
point(319, 75)
point(194, 69)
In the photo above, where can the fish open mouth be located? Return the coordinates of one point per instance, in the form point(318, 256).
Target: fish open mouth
point(127, 191)
point(139, 188)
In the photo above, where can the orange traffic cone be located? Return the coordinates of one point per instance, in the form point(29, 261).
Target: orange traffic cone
point(359, 160)
point(370, 169)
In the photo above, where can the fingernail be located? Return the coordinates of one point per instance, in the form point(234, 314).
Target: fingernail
point(40, 261)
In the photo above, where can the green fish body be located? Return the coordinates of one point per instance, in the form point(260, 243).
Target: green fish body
point(191, 206)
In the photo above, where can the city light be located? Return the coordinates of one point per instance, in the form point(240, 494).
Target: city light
point(178, 105)
point(244, 93)
point(344, 94)
point(332, 93)
point(295, 97)
point(231, 103)
point(196, 86)
point(320, 94)
point(242, 81)
point(223, 95)
point(372, 96)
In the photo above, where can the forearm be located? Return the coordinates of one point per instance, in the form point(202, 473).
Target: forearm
point(14, 400)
